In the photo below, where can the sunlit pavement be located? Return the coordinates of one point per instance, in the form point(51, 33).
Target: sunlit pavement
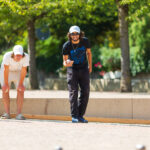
point(46, 135)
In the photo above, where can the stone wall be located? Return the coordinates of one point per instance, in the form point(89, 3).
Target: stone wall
point(138, 85)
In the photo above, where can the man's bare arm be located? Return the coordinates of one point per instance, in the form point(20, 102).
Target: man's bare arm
point(22, 75)
point(89, 57)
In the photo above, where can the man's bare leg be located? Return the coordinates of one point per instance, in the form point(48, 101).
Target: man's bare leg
point(6, 102)
point(20, 97)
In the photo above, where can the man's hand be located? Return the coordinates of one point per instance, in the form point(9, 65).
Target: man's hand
point(90, 69)
point(21, 88)
point(68, 63)
point(5, 88)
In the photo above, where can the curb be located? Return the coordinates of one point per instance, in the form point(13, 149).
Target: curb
point(90, 119)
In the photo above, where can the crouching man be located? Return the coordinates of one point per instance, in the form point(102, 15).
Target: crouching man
point(14, 69)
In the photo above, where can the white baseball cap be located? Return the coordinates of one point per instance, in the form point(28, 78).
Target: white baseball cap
point(18, 50)
point(74, 29)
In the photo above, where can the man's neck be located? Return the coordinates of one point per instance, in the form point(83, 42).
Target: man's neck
point(75, 42)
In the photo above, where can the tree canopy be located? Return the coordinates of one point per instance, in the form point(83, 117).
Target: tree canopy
point(99, 20)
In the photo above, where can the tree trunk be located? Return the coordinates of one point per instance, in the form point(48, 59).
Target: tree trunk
point(125, 84)
point(31, 51)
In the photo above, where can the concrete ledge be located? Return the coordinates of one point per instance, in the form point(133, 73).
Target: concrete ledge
point(109, 108)
point(130, 106)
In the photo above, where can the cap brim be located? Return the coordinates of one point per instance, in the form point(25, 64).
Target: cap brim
point(18, 53)
point(75, 31)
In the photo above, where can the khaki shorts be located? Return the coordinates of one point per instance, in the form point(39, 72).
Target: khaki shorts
point(14, 76)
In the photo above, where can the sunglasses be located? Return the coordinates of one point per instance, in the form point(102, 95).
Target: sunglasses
point(74, 34)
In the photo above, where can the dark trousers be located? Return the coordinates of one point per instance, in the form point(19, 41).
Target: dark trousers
point(75, 79)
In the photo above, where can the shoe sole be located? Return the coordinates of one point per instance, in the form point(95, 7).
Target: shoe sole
point(4, 118)
point(21, 119)
point(82, 122)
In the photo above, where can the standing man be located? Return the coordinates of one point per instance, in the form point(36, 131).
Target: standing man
point(76, 52)
point(14, 69)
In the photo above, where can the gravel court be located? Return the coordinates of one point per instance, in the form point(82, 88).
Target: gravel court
point(46, 135)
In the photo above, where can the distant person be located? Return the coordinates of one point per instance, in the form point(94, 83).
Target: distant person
point(77, 57)
point(14, 69)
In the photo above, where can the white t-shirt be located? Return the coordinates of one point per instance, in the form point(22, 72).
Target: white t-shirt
point(13, 65)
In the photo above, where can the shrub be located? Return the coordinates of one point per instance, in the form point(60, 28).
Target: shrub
point(136, 61)
point(49, 54)
point(110, 58)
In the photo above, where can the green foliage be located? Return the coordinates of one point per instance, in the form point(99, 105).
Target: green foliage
point(1, 58)
point(23, 40)
point(110, 58)
point(50, 64)
point(138, 8)
point(136, 61)
point(28, 8)
point(48, 47)
point(96, 53)
point(96, 17)
point(14, 16)
point(49, 54)
point(96, 57)
point(12, 26)
point(140, 37)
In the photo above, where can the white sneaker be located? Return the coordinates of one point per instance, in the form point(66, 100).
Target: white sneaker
point(5, 116)
point(20, 117)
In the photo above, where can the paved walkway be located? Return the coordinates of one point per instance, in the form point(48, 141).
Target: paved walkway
point(46, 135)
point(65, 94)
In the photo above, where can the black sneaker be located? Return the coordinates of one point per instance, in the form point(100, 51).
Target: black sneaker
point(75, 120)
point(81, 119)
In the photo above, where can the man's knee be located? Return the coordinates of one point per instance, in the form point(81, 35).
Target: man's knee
point(21, 92)
point(5, 93)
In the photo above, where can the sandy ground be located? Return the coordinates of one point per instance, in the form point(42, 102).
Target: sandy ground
point(46, 135)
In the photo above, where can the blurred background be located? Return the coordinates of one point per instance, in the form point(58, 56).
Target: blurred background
point(41, 27)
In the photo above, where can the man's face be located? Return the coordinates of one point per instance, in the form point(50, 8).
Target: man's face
point(17, 57)
point(75, 36)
